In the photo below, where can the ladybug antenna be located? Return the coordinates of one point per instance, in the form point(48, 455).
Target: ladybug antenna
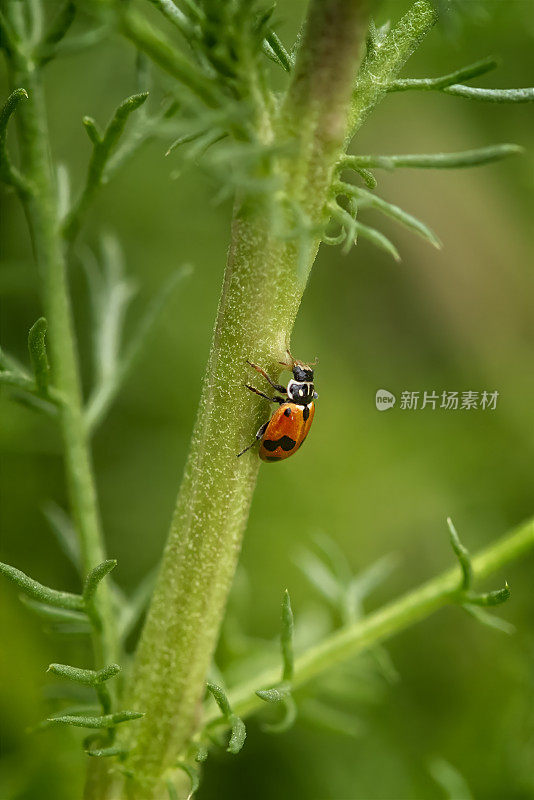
point(291, 363)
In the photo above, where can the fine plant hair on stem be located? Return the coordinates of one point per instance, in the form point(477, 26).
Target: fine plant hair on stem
point(263, 286)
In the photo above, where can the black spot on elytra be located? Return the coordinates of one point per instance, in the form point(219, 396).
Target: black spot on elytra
point(306, 413)
point(285, 442)
point(287, 412)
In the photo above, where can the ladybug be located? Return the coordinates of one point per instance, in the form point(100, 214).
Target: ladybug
point(284, 433)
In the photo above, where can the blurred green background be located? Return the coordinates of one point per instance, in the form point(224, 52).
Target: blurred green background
point(377, 483)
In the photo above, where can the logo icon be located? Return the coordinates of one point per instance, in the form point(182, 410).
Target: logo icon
point(384, 400)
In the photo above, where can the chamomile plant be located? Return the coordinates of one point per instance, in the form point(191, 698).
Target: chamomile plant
point(285, 147)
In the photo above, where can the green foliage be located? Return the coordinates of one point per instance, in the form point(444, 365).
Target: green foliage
point(462, 74)
point(33, 388)
point(8, 172)
point(239, 732)
point(58, 28)
point(469, 158)
point(375, 80)
point(224, 109)
point(106, 721)
point(43, 594)
point(472, 601)
point(63, 530)
point(93, 579)
point(449, 779)
point(103, 147)
point(286, 639)
point(85, 677)
point(193, 776)
point(281, 693)
point(111, 292)
point(38, 356)
point(462, 555)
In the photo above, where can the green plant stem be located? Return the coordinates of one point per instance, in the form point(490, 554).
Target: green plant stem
point(262, 290)
point(42, 214)
point(382, 65)
point(384, 623)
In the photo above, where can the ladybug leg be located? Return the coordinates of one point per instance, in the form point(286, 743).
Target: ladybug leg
point(259, 434)
point(277, 386)
point(261, 394)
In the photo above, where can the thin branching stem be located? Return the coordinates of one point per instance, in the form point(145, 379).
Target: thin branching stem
point(383, 64)
point(156, 45)
point(42, 214)
point(389, 620)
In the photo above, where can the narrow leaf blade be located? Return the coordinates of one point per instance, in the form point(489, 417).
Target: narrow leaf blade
point(38, 591)
point(378, 239)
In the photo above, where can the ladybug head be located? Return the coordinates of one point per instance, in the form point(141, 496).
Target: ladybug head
point(302, 372)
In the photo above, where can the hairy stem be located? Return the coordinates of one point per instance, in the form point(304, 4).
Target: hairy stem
point(382, 64)
point(384, 623)
point(263, 285)
point(42, 214)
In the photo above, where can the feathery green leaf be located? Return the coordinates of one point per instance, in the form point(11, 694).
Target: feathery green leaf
point(54, 614)
point(239, 732)
point(489, 619)
point(274, 695)
point(103, 147)
point(17, 381)
point(238, 735)
point(57, 30)
point(194, 777)
point(93, 131)
point(63, 529)
point(288, 719)
point(38, 355)
point(377, 238)
point(107, 390)
point(9, 174)
point(525, 95)
point(462, 554)
point(95, 576)
point(367, 199)
point(42, 593)
point(449, 779)
point(176, 17)
point(202, 752)
point(278, 51)
point(173, 794)
point(466, 158)
point(494, 598)
point(286, 638)
point(348, 223)
point(164, 53)
point(86, 677)
point(459, 75)
point(367, 177)
point(105, 721)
